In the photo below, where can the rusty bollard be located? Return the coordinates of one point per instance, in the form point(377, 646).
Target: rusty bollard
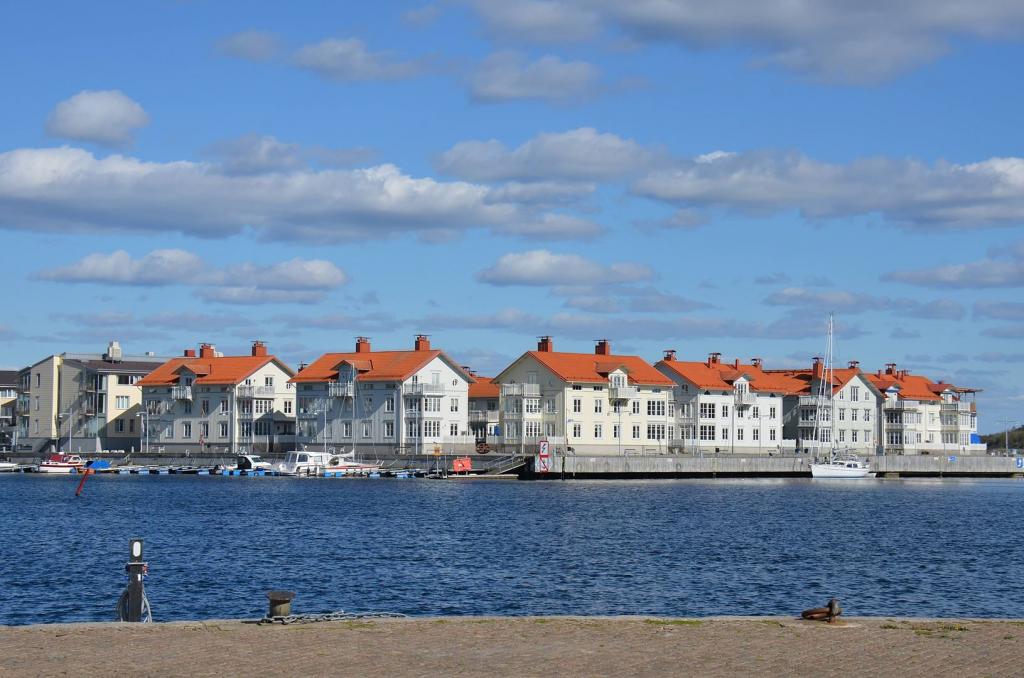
point(829, 613)
point(280, 603)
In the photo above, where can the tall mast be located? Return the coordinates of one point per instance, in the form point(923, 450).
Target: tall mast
point(824, 395)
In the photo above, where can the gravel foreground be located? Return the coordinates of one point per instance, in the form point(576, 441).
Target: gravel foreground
point(525, 646)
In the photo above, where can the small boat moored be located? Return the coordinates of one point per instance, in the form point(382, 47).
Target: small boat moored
point(850, 467)
point(61, 463)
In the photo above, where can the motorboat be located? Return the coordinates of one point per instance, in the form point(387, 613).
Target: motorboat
point(346, 464)
point(850, 467)
point(61, 463)
point(6, 466)
point(302, 463)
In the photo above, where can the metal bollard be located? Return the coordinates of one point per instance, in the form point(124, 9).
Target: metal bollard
point(280, 603)
point(136, 568)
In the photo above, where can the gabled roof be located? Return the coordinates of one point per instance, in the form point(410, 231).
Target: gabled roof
point(374, 366)
point(910, 386)
point(722, 376)
point(220, 370)
point(594, 368)
point(484, 388)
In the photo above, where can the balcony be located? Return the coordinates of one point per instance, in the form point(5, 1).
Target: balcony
point(483, 416)
point(520, 390)
point(420, 390)
point(341, 389)
point(745, 399)
point(808, 400)
point(623, 393)
point(247, 391)
point(901, 405)
point(957, 407)
point(24, 404)
point(245, 414)
point(181, 392)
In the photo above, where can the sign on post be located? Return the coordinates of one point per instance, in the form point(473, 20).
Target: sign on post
point(543, 458)
point(1020, 462)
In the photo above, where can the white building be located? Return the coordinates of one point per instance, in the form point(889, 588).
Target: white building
point(215, 403)
point(383, 402)
point(919, 416)
point(727, 407)
point(484, 416)
point(854, 400)
point(585, 403)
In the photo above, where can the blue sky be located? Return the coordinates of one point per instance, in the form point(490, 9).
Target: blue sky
point(664, 174)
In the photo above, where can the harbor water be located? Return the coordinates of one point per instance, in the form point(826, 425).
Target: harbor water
point(680, 548)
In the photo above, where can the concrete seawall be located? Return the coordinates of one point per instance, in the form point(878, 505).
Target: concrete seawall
point(768, 467)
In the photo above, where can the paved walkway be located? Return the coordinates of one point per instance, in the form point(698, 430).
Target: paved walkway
point(545, 646)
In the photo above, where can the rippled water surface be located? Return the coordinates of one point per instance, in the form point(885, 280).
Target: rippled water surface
point(215, 545)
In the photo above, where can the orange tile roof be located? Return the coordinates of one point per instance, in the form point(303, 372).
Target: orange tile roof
point(222, 370)
point(802, 378)
point(594, 367)
point(720, 376)
point(911, 386)
point(373, 365)
point(484, 388)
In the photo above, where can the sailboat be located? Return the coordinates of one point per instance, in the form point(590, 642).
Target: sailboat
point(836, 466)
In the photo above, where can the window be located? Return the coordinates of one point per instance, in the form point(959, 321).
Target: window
point(533, 429)
point(549, 405)
point(120, 425)
point(636, 407)
point(131, 426)
point(655, 431)
point(597, 430)
point(577, 430)
point(225, 407)
point(855, 393)
point(707, 411)
point(755, 412)
point(454, 407)
point(842, 414)
point(287, 407)
point(532, 405)
point(431, 429)
point(37, 402)
point(367, 429)
point(739, 434)
point(367, 404)
point(268, 382)
point(577, 387)
point(671, 409)
point(853, 414)
point(121, 403)
point(432, 404)
point(616, 431)
point(245, 430)
point(223, 429)
point(771, 412)
point(453, 429)
point(636, 432)
point(186, 429)
point(38, 380)
point(725, 411)
point(346, 429)
point(412, 429)
point(262, 427)
point(389, 429)
point(707, 432)
point(842, 435)
point(671, 433)
point(549, 429)
point(577, 405)
point(867, 416)
point(598, 407)
point(204, 429)
point(755, 434)
point(853, 435)
point(389, 404)
point(655, 408)
point(725, 433)
point(204, 408)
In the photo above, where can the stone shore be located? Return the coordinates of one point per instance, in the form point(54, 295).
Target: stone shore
point(526, 646)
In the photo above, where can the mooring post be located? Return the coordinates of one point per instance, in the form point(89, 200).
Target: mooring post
point(136, 568)
point(280, 603)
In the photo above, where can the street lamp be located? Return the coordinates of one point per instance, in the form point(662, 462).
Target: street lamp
point(143, 415)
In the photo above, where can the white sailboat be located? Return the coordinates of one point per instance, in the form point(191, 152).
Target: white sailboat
point(837, 465)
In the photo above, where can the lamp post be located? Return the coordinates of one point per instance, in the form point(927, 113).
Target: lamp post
point(143, 415)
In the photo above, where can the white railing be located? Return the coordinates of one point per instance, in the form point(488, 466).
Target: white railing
point(181, 392)
point(623, 393)
point(250, 391)
point(957, 407)
point(808, 400)
point(422, 389)
point(900, 405)
point(745, 398)
point(521, 390)
point(483, 415)
point(341, 389)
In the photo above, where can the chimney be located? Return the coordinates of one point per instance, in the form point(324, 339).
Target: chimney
point(736, 364)
point(854, 364)
point(113, 354)
point(259, 348)
point(189, 353)
point(207, 351)
point(469, 370)
point(670, 355)
point(817, 368)
point(603, 347)
point(422, 342)
point(545, 344)
point(878, 373)
point(756, 362)
point(362, 344)
point(714, 358)
point(890, 368)
point(303, 366)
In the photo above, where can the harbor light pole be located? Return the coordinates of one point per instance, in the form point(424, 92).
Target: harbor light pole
point(143, 416)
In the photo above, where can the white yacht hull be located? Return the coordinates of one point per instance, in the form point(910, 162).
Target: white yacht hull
point(840, 471)
point(58, 468)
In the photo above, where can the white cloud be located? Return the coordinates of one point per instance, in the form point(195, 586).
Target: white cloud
point(69, 189)
point(849, 302)
point(543, 268)
point(579, 154)
point(1004, 268)
point(159, 267)
point(296, 280)
point(251, 45)
point(999, 310)
point(105, 117)
point(255, 154)
point(906, 192)
point(507, 76)
point(348, 60)
point(832, 40)
point(552, 226)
